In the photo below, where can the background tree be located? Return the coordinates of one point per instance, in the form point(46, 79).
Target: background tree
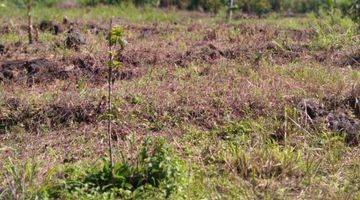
point(29, 4)
point(355, 11)
point(230, 9)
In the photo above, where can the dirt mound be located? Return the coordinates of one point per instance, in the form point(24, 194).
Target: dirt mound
point(32, 71)
point(51, 26)
point(204, 52)
point(44, 71)
point(247, 43)
point(96, 28)
point(339, 117)
point(14, 113)
point(353, 100)
point(96, 71)
point(352, 60)
point(342, 122)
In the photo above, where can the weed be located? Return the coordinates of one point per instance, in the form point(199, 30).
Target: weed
point(333, 32)
point(234, 130)
point(19, 180)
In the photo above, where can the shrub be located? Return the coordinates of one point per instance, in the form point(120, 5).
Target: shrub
point(146, 2)
point(277, 5)
point(260, 7)
point(297, 6)
point(48, 3)
point(333, 31)
point(116, 2)
point(181, 4)
point(207, 5)
point(96, 2)
point(344, 6)
point(156, 172)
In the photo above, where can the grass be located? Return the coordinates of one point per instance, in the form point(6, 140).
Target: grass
point(334, 32)
point(221, 105)
point(19, 179)
point(126, 12)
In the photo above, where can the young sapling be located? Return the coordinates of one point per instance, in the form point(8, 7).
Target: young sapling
point(115, 39)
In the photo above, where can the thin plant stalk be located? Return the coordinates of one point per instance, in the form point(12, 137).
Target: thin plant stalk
point(109, 99)
point(30, 26)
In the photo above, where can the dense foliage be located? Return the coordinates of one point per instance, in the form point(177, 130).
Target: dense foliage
point(258, 7)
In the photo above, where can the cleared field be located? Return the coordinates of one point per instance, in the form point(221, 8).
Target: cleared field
point(253, 109)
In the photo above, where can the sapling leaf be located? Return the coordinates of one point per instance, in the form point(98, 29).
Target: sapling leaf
point(116, 37)
point(113, 53)
point(114, 64)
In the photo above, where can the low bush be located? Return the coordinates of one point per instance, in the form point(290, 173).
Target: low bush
point(207, 5)
point(47, 3)
point(296, 6)
point(260, 7)
point(96, 2)
point(155, 173)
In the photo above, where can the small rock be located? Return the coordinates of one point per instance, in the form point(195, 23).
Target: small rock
point(69, 68)
point(2, 49)
point(95, 28)
point(343, 123)
point(45, 24)
point(35, 66)
point(56, 29)
point(74, 39)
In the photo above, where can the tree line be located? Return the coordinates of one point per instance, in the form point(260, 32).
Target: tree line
point(255, 7)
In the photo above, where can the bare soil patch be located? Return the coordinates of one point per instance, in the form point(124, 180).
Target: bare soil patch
point(52, 116)
point(45, 71)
